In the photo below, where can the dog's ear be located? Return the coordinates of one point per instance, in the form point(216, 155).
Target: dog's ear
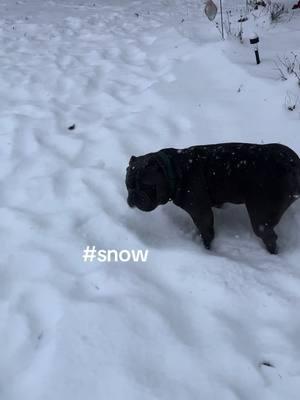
point(152, 172)
point(156, 176)
point(132, 158)
point(152, 161)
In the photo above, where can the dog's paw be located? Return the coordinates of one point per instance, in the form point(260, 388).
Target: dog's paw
point(272, 248)
point(207, 243)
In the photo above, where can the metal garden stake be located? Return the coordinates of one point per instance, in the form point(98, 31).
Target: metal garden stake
point(254, 42)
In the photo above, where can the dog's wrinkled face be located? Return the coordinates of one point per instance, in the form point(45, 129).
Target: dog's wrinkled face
point(146, 183)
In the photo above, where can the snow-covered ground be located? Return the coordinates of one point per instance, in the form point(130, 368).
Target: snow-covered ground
point(134, 77)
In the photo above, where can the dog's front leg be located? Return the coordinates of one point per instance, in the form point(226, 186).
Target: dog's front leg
point(194, 199)
point(204, 221)
point(203, 217)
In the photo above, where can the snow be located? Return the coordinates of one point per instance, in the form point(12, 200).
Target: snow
point(189, 323)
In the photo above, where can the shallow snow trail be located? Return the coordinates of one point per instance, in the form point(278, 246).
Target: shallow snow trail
point(186, 324)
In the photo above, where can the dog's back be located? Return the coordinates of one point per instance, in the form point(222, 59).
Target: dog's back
point(235, 171)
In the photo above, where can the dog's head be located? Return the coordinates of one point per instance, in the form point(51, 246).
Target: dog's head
point(147, 182)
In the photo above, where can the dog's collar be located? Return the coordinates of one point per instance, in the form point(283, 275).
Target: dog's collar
point(165, 162)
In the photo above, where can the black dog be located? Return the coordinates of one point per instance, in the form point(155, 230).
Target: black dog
point(266, 178)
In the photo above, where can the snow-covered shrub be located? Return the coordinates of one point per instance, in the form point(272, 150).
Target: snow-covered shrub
point(288, 66)
point(291, 101)
point(234, 25)
point(276, 10)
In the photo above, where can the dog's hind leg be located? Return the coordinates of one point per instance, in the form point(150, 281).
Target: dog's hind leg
point(263, 227)
point(264, 217)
